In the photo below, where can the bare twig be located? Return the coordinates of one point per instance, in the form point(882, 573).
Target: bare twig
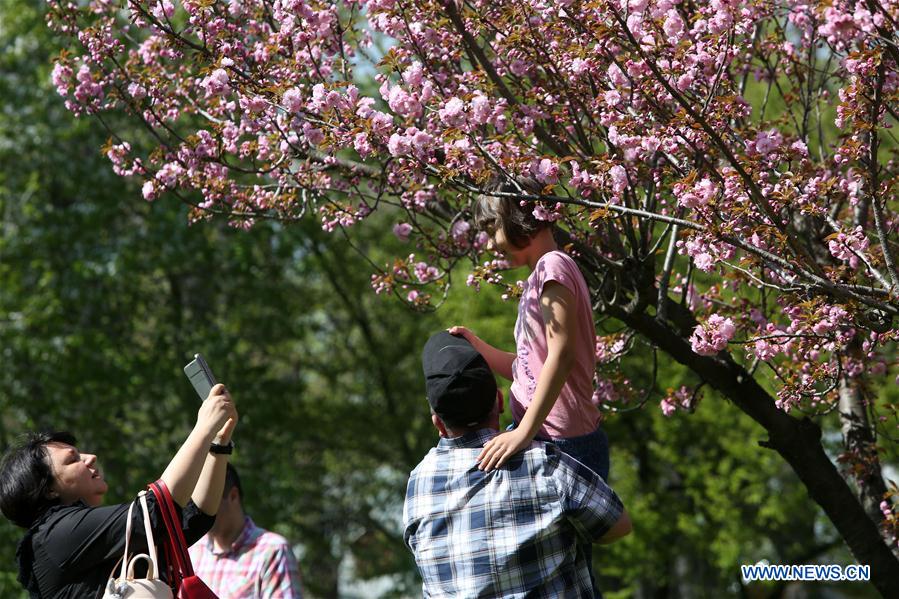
point(662, 304)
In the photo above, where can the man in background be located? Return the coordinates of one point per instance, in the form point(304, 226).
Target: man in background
point(239, 560)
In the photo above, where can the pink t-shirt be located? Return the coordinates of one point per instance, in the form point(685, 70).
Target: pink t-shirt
point(574, 412)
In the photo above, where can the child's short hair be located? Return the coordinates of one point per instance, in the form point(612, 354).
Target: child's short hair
point(517, 221)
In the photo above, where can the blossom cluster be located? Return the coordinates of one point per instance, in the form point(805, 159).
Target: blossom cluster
point(678, 399)
point(641, 124)
point(712, 336)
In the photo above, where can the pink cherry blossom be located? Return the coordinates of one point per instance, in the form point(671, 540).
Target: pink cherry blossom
point(676, 399)
point(293, 100)
point(838, 27)
point(616, 75)
point(425, 272)
point(62, 76)
point(163, 9)
point(402, 102)
point(518, 67)
point(480, 241)
point(87, 91)
point(480, 109)
point(619, 178)
point(149, 191)
point(543, 213)
point(217, 83)
point(579, 66)
point(169, 173)
point(546, 171)
point(697, 196)
point(421, 140)
point(452, 113)
point(849, 246)
point(712, 336)
point(765, 350)
point(402, 231)
point(766, 142)
point(414, 74)
point(399, 145)
point(381, 123)
point(674, 26)
point(612, 97)
point(668, 406)
point(362, 144)
point(313, 134)
point(459, 231)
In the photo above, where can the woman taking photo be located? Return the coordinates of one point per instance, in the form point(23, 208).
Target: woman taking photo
point(55, 492)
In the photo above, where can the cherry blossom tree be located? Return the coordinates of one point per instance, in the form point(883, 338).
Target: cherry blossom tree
point(724, 172)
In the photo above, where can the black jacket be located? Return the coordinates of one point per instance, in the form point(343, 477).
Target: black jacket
point(71, 550)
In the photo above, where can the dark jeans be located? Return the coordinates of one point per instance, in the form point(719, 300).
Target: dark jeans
point(591, 450)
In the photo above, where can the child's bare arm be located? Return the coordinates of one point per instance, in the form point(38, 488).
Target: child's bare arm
point(500, 361)
point(558, 308)
point(559, 316)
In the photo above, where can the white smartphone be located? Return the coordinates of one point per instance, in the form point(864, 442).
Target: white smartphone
point(200, 376)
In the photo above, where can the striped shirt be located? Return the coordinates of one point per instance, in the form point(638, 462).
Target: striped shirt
point(259, 565)
point(511, 532)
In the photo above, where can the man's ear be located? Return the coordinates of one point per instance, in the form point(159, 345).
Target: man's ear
point(438, 424)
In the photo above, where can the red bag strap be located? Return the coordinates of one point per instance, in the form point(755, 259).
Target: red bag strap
point(179, 531)
point(178, 543)
point(173, 559)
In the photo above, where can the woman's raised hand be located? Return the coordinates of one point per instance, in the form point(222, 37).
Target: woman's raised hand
point(224, 434)
point(216, 419)
point(218, 415)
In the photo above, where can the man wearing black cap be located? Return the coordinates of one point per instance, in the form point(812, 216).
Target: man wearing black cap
point(511, 532)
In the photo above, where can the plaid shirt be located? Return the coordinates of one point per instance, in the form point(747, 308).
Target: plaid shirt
point(512, 532)
point(259, 565)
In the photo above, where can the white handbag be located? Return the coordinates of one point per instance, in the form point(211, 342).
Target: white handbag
point(128, 587)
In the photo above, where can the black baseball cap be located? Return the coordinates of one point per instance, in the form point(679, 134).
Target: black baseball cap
point(460, 386)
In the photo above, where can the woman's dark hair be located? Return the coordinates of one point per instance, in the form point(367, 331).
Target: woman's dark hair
point(26, 477)
point(516, 221)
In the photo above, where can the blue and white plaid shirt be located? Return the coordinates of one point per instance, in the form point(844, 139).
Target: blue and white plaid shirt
point(507, 533)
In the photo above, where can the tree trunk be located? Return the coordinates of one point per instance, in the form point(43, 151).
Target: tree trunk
point(858, 433)
point(859, 443)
